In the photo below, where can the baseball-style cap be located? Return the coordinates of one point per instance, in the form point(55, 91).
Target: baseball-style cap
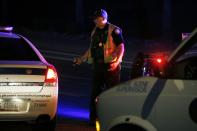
point(100, 13)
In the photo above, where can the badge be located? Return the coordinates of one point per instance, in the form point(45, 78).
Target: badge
point(117, 31)
point(100, 44)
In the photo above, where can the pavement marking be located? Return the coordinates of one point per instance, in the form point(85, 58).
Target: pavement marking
point(59, 53)
point(70, 56)
point(58, 58)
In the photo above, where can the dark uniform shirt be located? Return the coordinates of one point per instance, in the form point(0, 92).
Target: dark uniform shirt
point(99, 38)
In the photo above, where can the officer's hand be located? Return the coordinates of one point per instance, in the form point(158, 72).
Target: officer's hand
point(77, 61)
point(113, 66)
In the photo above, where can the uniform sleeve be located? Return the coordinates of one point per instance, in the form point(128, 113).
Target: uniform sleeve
point(117, 36)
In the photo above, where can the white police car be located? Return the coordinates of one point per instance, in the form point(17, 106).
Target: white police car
point(168, 103)
point(28, 83)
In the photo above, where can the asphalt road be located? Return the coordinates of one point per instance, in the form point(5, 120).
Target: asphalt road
point(60, 127)
point(75, 88)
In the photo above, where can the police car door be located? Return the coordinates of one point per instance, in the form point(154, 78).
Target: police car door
point(176, 106)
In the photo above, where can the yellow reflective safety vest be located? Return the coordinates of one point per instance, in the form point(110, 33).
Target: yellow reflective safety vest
point(109, 47)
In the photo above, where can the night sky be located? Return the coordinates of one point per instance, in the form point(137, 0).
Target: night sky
point(147, 19)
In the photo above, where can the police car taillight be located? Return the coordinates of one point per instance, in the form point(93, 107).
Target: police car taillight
point(51, 77)
point(6, 29)
point(159, 60)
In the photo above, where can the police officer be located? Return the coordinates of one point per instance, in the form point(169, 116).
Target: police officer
point(105, 54)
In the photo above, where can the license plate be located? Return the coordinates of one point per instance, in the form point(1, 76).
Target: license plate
point(9, 106)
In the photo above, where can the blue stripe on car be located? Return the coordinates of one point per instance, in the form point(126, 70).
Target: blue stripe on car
point(152, 98)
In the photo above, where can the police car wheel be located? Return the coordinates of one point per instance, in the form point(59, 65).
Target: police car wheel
point(45, 126)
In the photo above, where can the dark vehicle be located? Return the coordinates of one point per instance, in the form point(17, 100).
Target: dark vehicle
point(151, 64)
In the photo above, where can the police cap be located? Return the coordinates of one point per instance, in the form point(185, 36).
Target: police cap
point(100, 13)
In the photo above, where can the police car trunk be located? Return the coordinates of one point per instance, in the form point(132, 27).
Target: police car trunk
point(22, 77)
point(23, 73)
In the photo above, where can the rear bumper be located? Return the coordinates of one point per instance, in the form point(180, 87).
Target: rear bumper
point(31, 105)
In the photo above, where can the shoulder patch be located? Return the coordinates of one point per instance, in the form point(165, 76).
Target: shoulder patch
point(117, 31)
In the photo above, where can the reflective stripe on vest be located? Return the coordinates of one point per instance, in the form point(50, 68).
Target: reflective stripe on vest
point(109, 46)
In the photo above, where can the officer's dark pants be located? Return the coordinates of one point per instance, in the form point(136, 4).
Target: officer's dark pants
point(102, 80)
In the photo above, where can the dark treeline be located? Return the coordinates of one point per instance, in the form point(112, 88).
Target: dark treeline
point(138, 18)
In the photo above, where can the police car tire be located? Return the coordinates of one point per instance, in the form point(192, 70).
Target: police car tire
point(52, 124)
point(48, 126)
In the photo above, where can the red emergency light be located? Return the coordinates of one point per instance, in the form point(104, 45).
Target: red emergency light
point(159, 60)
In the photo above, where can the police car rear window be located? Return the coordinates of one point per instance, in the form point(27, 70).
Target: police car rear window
point(16, 49)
